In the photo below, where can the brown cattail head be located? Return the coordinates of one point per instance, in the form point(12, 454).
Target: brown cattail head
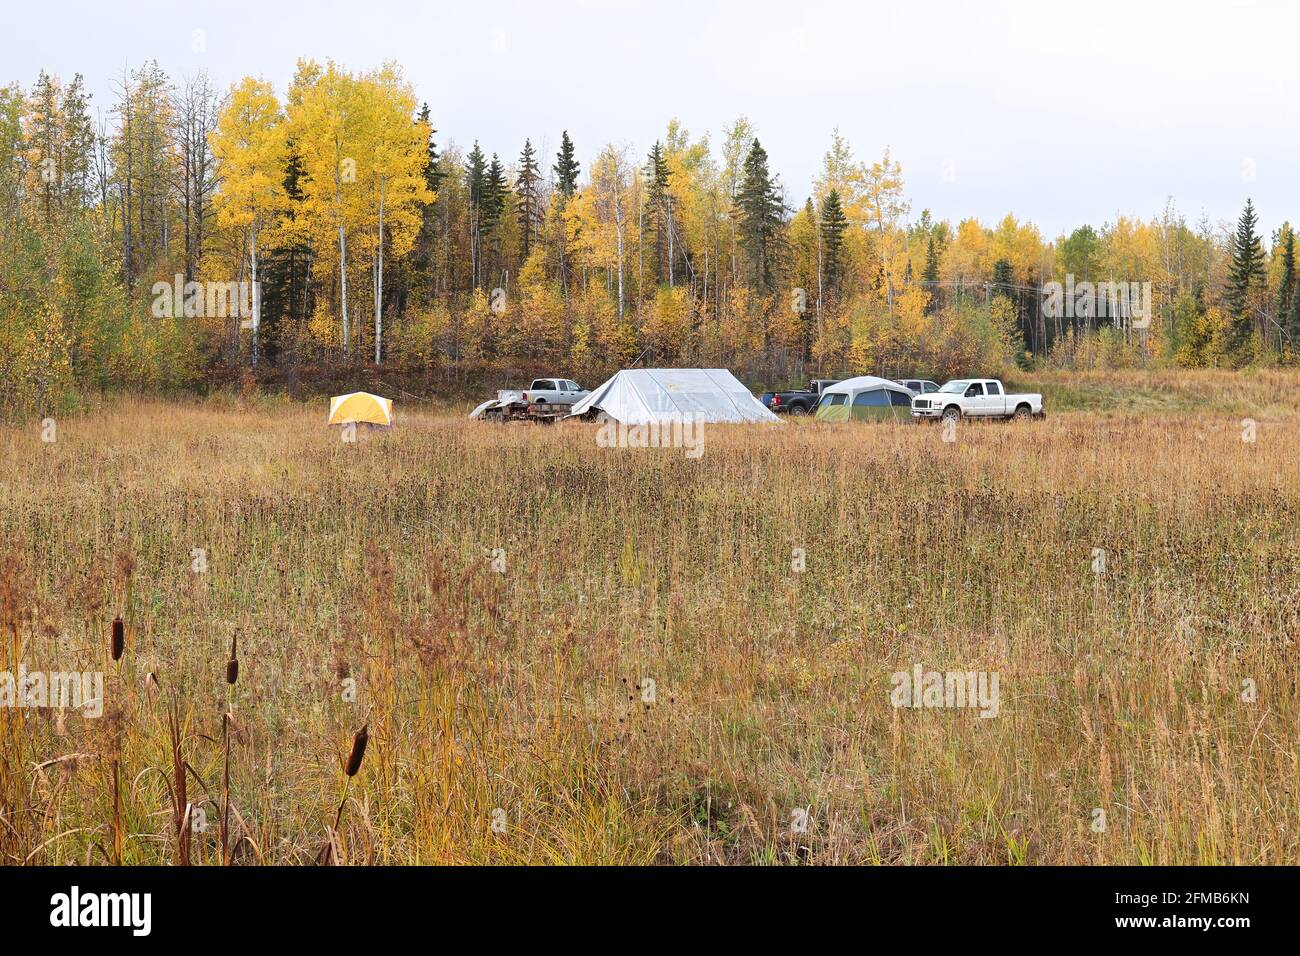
point(358, 750)
point(232, 665)
point(118, 643)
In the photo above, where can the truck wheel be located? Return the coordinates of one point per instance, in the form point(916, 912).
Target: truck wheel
point(951, 414)
point(1022, 413)
point(798, 409)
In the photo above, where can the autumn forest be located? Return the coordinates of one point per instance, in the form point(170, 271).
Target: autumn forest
point(369, 237)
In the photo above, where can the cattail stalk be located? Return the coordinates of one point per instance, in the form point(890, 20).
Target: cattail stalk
point(225, 783)
point(117, 813)
point(358, 752)
point(116, 648)
point(232, 675)
point(180, 799)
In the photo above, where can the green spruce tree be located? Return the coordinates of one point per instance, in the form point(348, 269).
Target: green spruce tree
point(1292, 322)
point(1004, 278)
point(495, 191)
point(657, 222)
point(833, 226)
point(1245, 277)
point(433, 172)
point(475, 182)
point(930, 277)
point(1286, 285)
point(762, 214)
point(528, 186)
point(931, 274)
point(566, 169)
point(496, 195)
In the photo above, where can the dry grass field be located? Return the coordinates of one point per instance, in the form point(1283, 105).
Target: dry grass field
point(1148, 708)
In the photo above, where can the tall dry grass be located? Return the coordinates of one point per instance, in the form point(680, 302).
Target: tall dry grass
point(506, 713)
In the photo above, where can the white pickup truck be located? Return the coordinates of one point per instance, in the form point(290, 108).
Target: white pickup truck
point(976, 398)
point(544, 398)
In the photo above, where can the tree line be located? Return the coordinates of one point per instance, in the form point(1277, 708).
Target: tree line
point(365, 242)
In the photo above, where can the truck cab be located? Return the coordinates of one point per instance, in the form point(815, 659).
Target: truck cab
point(556, 391)
point(919, 386)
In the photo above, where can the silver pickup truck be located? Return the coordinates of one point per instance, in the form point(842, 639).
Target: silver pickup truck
point(544, 398)
point(976, 398)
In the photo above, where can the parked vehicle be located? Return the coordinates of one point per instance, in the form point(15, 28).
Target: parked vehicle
point(545, 398)
point(976, 398)
point(919, 386)
point(800, 402)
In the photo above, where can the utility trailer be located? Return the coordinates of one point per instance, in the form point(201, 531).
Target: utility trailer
point(545, 400)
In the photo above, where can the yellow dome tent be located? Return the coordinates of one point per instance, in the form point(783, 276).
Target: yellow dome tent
point(361, 407)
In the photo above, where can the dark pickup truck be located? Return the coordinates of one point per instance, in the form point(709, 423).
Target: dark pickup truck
point(801, 402)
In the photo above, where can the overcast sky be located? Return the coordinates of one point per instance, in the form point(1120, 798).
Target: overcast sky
point(1060, 113)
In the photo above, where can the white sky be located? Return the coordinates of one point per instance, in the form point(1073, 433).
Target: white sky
point(1060, 113)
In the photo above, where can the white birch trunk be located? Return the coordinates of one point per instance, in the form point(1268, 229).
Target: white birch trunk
point(257, 298)
point(379, 281)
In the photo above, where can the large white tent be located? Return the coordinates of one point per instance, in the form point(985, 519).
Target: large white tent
point(641, 396)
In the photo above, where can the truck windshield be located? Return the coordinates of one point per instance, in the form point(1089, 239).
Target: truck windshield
point(957, 387)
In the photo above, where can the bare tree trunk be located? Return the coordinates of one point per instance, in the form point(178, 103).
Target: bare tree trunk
point(343, 284)
point(668, 221)
point(129, 146)
point(640, 248)
point(618, 226)
point(101, 170)
point(817, 226)
point(379, 280)
point(257, 297)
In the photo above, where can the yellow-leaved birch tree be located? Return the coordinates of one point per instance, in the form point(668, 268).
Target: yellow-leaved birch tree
point(327, 123)
point(249, 147)
point(396, 152)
